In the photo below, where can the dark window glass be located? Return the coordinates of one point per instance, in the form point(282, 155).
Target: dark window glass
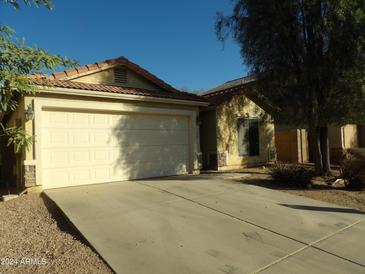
point(248, 137)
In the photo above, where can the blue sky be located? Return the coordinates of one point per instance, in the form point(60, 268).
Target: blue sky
point(174, 40)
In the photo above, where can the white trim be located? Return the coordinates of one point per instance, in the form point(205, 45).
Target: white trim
point(101, 94)
point(37, 140)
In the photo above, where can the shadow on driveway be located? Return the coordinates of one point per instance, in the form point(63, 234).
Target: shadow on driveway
point(325, 209)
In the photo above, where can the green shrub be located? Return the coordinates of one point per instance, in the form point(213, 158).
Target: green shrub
point(292, 174)
point(353, 170)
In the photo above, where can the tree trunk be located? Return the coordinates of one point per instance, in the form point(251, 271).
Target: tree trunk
point(315, 132)
point(325, 149)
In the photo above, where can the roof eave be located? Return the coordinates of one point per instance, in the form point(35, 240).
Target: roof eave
point(119, 96)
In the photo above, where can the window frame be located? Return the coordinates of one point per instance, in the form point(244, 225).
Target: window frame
point(249, 121)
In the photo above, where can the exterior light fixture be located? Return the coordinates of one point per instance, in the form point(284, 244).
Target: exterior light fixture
point(29, 113)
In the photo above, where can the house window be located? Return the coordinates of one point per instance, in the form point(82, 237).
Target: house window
point(248, 137)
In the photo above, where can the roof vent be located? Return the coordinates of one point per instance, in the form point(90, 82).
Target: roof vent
point(120, 75)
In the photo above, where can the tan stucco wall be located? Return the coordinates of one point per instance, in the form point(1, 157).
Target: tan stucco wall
point(227, 143)
point(350, 136)
point(343, 137)
point(107, 77)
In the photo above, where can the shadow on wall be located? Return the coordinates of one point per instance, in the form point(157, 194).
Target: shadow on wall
point(227, 115)
point(8, 164)
point(148, 146)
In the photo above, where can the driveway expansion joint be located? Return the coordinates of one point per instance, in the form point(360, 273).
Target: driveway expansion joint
point(320, 249)
point(306, 245)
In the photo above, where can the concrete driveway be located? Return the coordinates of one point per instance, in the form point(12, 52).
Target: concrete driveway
point(210, 224)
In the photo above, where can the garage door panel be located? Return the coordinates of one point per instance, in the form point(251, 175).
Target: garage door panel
point(54, 138)
point(55, 158)
point(69, 176)
point(152, 137)
point(84, 156)
point(79, 119)
point(149, 169)
point(87, 148)
point(83, 175)
point(56, 118)
point(152, 153)
point(57, 177)
point(150, 123)
point(102, 173)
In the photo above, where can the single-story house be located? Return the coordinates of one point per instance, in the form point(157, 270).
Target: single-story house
point(295, 145)
point(104, 122)
point(236, 129)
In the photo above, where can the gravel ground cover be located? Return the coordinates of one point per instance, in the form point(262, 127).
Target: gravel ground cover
point(36, 238)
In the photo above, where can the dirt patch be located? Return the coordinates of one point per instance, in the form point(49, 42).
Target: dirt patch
point(351, 199)
point(31, 227)
point(320, 191)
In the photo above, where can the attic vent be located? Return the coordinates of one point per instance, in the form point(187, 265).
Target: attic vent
point(120, 75)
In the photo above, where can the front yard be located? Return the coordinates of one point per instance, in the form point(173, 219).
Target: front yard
point(33, 228)
point(319, 191)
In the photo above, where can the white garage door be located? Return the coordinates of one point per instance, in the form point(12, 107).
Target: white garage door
point(87, 148)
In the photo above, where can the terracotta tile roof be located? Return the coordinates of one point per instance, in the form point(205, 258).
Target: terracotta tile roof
point(42, 81)
point(91, 68)
point(68, 79)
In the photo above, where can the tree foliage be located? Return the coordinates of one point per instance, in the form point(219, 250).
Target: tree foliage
point(16, 4)
point(309, 56)
point(17, 61)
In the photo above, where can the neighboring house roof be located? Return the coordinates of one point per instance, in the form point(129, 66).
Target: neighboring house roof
point(68, 79)
point(234, 87)
point(230, 84)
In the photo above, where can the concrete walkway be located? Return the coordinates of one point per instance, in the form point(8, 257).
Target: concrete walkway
point(209, 224)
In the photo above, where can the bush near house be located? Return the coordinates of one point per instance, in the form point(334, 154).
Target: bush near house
point(292, 174)
point(353, 170)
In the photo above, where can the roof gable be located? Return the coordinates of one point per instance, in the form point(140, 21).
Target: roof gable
point(109, 77)
point(143, 82)
point(83, 71)
point(241, 86)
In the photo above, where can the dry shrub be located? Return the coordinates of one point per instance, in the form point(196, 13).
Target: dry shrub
point(353, 170)
point(291, 174)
